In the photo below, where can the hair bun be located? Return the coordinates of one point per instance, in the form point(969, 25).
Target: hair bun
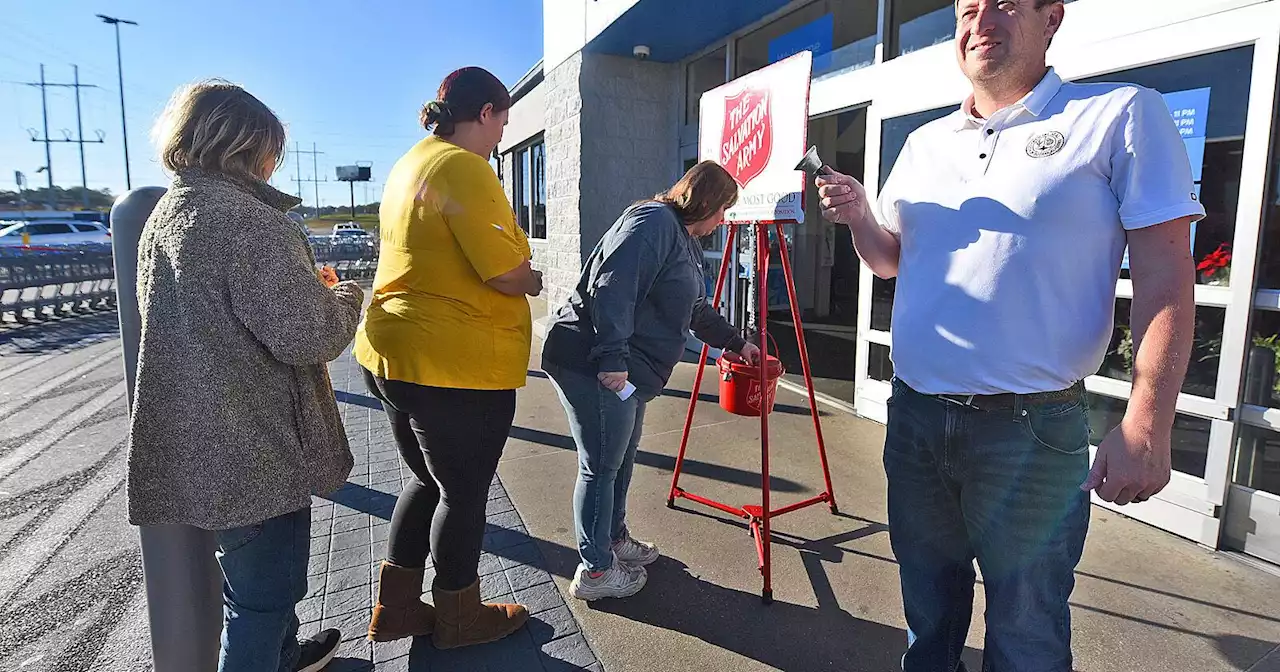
point(435, 112)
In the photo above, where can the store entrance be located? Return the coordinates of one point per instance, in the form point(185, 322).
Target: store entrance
point(826, 271)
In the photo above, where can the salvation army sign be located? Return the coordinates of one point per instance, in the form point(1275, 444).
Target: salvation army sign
point(755, 127)
point(746, 142)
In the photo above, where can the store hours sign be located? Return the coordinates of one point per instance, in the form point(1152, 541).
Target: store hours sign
point(755, 127)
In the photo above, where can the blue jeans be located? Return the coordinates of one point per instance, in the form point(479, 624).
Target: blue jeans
point(1001, 487)
point(606, 430)
point(265, 570)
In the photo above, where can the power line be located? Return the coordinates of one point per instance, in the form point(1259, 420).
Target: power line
point(48, 141)
point(315, 171)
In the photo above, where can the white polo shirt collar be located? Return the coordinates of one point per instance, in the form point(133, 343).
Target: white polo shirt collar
point(1034, 102)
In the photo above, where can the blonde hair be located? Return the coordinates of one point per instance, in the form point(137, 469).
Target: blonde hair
point(701, 193)
point(219, 127)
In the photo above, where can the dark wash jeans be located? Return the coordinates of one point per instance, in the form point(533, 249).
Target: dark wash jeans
point(265, 570)
point(1001, 487)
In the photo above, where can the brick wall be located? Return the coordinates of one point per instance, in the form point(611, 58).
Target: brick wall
point(611, 134)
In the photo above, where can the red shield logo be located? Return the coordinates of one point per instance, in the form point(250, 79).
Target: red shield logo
point(747, 140)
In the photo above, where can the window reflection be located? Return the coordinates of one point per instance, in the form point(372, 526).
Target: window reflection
point(1269, 258)
point(530, 190)
point(1202, 371)
point(1262, 364)
point(879, 366)
point(1224, 79)
point(918, 24)
point(840, 33)
point(704, 74)
point(1258, 460)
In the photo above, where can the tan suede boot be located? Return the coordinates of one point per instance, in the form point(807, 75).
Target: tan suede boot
point(461, 619)
point(400, 611)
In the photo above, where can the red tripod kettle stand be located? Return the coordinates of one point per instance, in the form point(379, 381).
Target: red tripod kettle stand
point(742, 396)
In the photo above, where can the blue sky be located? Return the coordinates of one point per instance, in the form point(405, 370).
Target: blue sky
point(348, 76)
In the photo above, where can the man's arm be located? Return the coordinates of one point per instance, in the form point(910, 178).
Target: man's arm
point(1133, 461)
point(844, 201)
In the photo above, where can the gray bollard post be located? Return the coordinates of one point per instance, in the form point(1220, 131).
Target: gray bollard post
point(183, 580)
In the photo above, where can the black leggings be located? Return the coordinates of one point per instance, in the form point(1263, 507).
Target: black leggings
point(451, 440)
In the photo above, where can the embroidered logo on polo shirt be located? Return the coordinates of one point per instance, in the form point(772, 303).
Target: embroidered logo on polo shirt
point(1045, 144)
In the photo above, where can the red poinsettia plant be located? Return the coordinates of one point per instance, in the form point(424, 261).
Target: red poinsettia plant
point(1215, 268)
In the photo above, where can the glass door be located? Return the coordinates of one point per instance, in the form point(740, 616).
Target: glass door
point(826, 271)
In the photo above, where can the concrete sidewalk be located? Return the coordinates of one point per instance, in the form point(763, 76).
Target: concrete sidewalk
point(1145, 600)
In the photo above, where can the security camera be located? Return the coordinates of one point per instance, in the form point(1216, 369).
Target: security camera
point(641, 52)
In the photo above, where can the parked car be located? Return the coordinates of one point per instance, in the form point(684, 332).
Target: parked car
point(346, 226)
point(349, 235)
point(47, 232)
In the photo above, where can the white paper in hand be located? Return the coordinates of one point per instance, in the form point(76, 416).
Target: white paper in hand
point(627, 390)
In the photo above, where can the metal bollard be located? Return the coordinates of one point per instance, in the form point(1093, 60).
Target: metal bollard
point(183, 580)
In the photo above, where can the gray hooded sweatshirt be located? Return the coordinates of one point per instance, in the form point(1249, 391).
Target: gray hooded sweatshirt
point(641, 291)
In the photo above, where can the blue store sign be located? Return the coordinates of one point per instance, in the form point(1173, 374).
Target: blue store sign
point(815, 36)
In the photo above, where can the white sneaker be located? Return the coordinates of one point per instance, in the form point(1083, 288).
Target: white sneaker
point(635, 552)
point(621, 580)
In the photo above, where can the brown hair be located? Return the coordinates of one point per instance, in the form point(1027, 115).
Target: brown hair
point(218, 126)
point(701, 193)
point(461, 97)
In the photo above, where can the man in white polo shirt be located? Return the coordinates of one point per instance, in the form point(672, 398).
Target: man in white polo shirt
point(1005, 224)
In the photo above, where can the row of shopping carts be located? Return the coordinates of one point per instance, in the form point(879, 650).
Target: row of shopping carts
point(44, 283)
point(352, 260)
point(41, 283)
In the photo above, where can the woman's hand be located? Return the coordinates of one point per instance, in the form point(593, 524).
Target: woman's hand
point(751, 353)
point(328, 276)
point(613, 381)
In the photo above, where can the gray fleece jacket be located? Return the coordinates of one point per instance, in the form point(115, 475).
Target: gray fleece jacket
point(234, 419)
point(640, 293)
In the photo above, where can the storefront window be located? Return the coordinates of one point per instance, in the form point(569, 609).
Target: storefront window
point(1258, 460)
point(840, 33)
point(1202, 371)
point(703, 74)
point(894, 132)
point(893, 137)
point(1210, 97)
point(1262, 363)
point(1269, 259)
point(879, 366)
point(531, 189)
point(917, 24)
point(1190, 434)
point(882, 303)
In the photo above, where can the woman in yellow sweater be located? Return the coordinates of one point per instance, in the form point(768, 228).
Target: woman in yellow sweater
point(445, 345)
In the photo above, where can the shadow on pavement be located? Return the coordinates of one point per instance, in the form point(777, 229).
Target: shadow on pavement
point(705, 397)
point(782, 635)
point(59, 334)
point(665, 462)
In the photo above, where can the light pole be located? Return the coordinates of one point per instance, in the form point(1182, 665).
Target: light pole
point(124, 125)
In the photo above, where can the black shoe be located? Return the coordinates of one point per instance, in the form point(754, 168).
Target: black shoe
point(318, 651)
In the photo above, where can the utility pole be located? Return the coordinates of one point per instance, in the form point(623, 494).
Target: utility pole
point(124, 125)
point(315, 172)
point(297, 163)
point(48, 155)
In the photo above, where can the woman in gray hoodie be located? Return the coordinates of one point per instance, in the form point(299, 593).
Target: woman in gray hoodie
point(612, 347)
point(234, 423)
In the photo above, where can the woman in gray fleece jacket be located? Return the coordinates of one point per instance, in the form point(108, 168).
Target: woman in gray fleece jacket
point(611, 349)
point(234, 423)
